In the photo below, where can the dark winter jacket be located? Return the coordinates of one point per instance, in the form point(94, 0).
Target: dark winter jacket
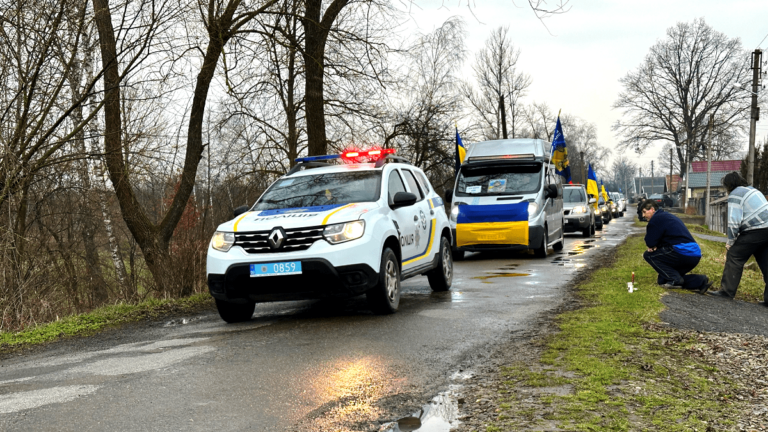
point(667, 230)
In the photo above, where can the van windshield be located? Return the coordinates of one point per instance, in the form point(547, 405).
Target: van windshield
point(513, 179)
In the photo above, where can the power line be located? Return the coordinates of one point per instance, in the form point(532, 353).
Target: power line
point(761, 42)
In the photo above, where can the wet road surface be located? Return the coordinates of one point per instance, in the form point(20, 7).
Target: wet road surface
point(294, 361)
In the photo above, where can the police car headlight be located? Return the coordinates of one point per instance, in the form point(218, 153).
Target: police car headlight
point(579, 210)
point(339, 233)
point(223, 241)
point(533, 208)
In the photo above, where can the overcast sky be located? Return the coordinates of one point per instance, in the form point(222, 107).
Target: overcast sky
point(577, 67)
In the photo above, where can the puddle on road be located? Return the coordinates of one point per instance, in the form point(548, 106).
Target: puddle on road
point(501, 275)
point(439, 415)
point(181, 321)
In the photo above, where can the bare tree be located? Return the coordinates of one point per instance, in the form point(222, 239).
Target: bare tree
point(684, 79)
point(221, 21)
point(498, 80)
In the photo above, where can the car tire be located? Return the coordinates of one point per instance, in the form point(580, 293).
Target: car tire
point(384, 298)
point(235, 312)
point(541, 251)
point(441, 277)
point(458, 255)
point(557, 247)
point(587, 232)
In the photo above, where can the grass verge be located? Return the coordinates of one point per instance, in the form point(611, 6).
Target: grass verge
point(101, 318)
point(610, 368)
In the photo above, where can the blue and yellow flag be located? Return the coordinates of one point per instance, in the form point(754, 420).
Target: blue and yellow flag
point(592, 184)
point(560, 153)
point(461, 152)
point(492, 224)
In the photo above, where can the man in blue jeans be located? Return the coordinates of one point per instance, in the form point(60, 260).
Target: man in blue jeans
point(672, 251)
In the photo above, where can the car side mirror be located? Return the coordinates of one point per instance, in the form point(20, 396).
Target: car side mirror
point(592, 200)
point(403, 199)
point(550, 191)
point(240, 210)
point(448, 195)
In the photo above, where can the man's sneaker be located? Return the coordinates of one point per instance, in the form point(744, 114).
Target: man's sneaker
point(720, 293)
point(704, 288)
point(670, 286)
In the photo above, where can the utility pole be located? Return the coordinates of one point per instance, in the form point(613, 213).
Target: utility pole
point(670, 171)
point(583, 168)
point(503, 117)
point(653, 188)
point(754, 117)
point(707, 214)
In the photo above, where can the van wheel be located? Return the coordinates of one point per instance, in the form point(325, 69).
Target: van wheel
point(557, 247)
point(458, 255)
point(441, 277)
point(541, 251)
point(235, 312)
point(384, 298)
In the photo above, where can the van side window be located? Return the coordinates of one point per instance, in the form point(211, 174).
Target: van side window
point(413, 184)
point(394, 185)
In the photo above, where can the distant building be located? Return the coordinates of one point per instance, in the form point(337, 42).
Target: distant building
point(650, 185)
point(697, 182)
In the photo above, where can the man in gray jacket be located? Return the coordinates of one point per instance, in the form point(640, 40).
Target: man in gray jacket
point(747, 234)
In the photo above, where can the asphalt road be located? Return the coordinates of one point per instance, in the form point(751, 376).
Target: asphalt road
point(294, 363)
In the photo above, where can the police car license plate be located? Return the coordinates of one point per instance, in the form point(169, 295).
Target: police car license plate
point(276, 269)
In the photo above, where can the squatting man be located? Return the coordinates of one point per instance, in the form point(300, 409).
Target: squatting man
point(672, 251)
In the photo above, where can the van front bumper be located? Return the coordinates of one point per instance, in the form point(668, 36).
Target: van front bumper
point(535, 234)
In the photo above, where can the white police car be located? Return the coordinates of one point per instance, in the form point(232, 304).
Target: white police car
point(326, 230)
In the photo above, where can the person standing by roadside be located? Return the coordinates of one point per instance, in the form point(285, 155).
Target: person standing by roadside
point(672, 251)
point(747, 234)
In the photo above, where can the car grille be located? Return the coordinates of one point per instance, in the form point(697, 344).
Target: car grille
point(296, 239)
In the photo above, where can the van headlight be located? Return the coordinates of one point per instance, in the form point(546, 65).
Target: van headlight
point(339, 233)
point(223, 241)
point(455, 210)
point(533, 209)
point(454, 213)
point(579, 210)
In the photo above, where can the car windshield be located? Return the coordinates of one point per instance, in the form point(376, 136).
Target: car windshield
point(656, 196)
point(574, 195)
point(513, 179)
point(322, 189)
point(601, 201)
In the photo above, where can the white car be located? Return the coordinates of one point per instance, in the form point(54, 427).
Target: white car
point(325, 230)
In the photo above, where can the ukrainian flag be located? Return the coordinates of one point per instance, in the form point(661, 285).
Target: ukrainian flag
point(592, 184)
point(560, 153)
point(605, 195)
point(492, 224)
point(461, 152)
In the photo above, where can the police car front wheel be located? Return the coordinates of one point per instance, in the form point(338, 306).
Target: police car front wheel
point(441, 277)
point(384, 298)
point(235, 312)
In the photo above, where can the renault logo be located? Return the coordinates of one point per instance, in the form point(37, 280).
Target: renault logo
point(276, 238)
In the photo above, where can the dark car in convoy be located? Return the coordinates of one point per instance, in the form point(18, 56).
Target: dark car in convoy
point(658, 199)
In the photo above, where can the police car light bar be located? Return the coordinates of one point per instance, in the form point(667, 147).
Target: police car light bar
point(373, 155)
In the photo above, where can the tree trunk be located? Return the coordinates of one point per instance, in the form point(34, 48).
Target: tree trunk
point(316, 30)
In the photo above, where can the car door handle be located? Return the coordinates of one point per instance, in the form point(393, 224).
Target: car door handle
point(415, 218)
point(431, 212)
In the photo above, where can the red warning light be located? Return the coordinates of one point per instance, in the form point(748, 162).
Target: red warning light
point(363, 156)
